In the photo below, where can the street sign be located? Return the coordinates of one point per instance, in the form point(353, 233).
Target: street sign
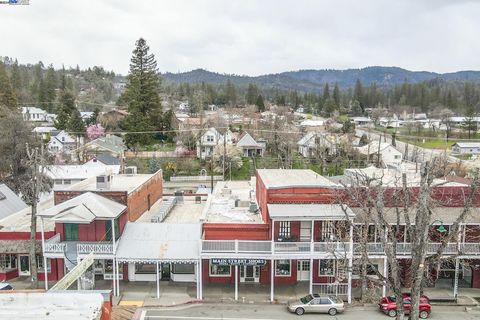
point(239, 262)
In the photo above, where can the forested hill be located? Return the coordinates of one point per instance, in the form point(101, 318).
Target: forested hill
point(314, 80)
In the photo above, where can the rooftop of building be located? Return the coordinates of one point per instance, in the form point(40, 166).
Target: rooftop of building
point(187, 211)
point(9, 202)
point(292, 178)
point(118, 182)
point(20, 221)
point(80, 171)
point(232, 202)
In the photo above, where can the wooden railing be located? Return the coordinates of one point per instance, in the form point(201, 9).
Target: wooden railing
point(53, 245)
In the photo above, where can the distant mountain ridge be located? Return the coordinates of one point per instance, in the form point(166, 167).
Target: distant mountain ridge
point(314, 80)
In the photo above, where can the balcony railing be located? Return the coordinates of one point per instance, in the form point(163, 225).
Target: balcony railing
point(96, 247)
point(336, 289)
point(265, 247)
point(53, 245)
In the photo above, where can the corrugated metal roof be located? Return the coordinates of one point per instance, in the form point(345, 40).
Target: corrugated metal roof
point(149, 242)
point(309, 211)
point(467, 144)
point(9, 202)
point(285, 178)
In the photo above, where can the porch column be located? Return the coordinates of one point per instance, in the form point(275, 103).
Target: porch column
point(45, 269)
point(350, 265)
point(114, 264)
point(236, 282)
point(117, 277)
point(385, 271)
point(200, 279)
point(196, 280)
point(158, 283)
point(455, 283)
point(272, 278)
point(312, 250)
point(310, 288)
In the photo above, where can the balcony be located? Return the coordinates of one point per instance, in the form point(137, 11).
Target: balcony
point(95, 247)
point(54, 246)
point(281, 249)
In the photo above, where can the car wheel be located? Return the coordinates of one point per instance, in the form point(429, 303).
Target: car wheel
point(332, 311)
point(299, 311)
point(423, 314)
point(392, 313)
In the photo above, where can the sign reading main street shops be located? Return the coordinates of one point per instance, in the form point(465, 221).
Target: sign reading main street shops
point(238, 262)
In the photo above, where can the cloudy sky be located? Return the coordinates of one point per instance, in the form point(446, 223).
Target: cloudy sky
point(246, 36)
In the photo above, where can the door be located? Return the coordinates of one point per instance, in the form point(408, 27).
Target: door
point(70, 231)
point(24, 265)
point(303, 270)
point(165, 271)
point(305, 230)
point(249, 274)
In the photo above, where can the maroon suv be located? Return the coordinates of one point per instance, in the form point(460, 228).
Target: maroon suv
point(388, 306)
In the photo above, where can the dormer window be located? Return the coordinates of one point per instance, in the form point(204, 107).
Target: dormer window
point(209, 138)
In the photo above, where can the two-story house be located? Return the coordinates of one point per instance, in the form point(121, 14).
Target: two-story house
point(209, 140)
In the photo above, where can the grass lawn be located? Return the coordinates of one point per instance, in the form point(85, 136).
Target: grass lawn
point(243, 173)
point(430, 143)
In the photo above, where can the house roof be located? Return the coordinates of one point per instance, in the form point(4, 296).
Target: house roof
point(309, 211)
point(283, 178)
point(84, 208)
point(461, 144)
point(150, 242)
point(246, 140)
point(306, 138)
point(372, 148)
point(44, 129)
point(33, 110)
point(19, 246)
point(107, 159)
point(20, 221)
point(110, 143)
point(9, 202)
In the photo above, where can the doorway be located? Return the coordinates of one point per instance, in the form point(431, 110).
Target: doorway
point(24, 265)
point(305, 230)
point(249, 274)
point(303, 270)
point(165, 273)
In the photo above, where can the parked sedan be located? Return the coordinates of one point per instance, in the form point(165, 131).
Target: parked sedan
point(388, 305)
point(5, 286)
point(314, 303)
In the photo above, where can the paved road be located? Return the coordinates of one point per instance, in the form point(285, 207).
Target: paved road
point(275, 312)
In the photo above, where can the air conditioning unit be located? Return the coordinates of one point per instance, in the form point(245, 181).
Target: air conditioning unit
point(131, 170)
point(104, 181)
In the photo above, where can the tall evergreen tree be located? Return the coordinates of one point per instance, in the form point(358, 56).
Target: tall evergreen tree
point(326, 93)
point(252, 94)
point(260, 103)
point(76, 124)
point(230, 93)
point(336, 94)
point(7, 94)
point(358, 93)
point(48, 93)
point(142, 96)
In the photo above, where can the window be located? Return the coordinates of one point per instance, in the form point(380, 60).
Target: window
point(282, 268)
point(325, 301)
point(40, 264)
point(209, 138)
point(143, 268)
point(70, 231)
point(101, 179)
point(327, 231)
point(183, 268)
point(397, 157)
point(219, 270)
point(67, 181)
point(326, 267)
point(8, 261)
point(284, 229)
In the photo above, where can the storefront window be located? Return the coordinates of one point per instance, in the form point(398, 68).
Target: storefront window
point(8, 261)
point(326, 267)
point(145, 268)
point(282, 268)
point(219, 270)
point(183, 268)
point(40, 264)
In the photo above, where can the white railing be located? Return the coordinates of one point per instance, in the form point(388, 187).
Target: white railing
point(195, 178)
point(96, 247)
point(403, 248)
point(336, 289)
point(53, 245)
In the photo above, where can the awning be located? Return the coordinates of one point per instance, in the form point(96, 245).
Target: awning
point(314, 211)
point(159, 242)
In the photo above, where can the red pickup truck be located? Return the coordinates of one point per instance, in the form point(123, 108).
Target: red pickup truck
point(388, 306)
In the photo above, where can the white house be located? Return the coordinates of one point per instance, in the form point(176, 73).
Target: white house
point(44, 132)
point(312, 142)
point(388, 154)
point(60, 141)
point(362, 122)
point(250, 147)
point(34, 114)
point(64, 176)
point(466, 148)
point(209, 140)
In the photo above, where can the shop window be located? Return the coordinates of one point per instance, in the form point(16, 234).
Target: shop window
point(143, 268)
point(183, 268)
point(40, 264)
point(326, 267)
point(8, 261)
point(282, 268)
point(284, 229)
point(219, 270)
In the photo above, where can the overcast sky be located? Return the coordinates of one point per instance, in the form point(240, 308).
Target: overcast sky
point(246, 36)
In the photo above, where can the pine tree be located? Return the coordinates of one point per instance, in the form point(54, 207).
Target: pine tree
point(76, 124)
point(16, 79)
point(61, 121)
point(252, 94)
point(48, 90)
point(336, 95)
point(326, 93)
point(358, 93)
point(260, 103)
point(230, 93)
point(141, 96)
point(7, 94)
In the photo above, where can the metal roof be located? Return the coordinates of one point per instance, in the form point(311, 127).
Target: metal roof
point(309, 211)
point(84, 208)
point(285, 178)
point(467, 144)
point(152, 242)
point(80, 172)
point(9, 202)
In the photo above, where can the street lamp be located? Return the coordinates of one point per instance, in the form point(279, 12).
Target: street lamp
point(441, 228)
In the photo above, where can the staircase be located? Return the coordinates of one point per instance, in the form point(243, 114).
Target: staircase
point(71, 256)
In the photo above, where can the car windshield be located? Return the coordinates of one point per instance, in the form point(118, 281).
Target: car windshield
point(306, 299)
